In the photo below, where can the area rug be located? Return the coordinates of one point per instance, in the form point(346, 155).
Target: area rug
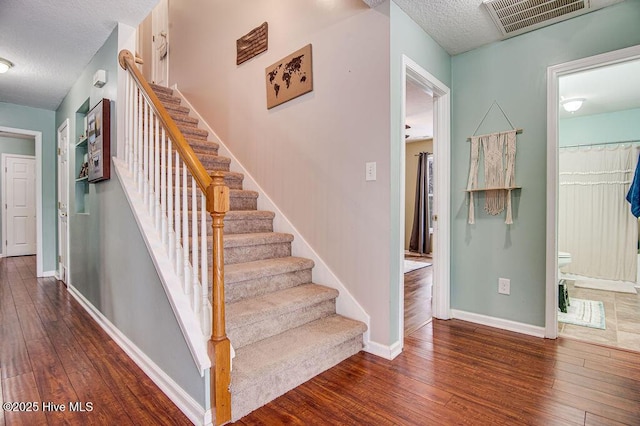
point(617, 286)
point(412, 265)
point(586, 313)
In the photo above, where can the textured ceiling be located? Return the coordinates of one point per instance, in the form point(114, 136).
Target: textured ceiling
point(418, 112)
point(458, 25)
point(50, 43)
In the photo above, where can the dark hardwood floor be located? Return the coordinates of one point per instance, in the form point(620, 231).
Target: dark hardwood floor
point(53, 352)
point(418, 290)
point(450, 373)
point(457, 373)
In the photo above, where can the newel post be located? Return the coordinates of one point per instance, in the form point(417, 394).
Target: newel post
point(219, 345)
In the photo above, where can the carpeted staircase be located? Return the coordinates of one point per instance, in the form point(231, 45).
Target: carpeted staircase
point(283, 327)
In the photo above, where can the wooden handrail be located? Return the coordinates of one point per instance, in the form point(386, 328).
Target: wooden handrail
point(217, 204)
point(197, 170)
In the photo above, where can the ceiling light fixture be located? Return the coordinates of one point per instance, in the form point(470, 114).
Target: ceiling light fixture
point(572, 105)
point(4, 65)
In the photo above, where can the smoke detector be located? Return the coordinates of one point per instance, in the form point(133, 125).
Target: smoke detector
point(513, 17)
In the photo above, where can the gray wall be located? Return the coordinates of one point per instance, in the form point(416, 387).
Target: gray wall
point(13, 146)
point(109, 261)
point(513, 72)
point(40, 120)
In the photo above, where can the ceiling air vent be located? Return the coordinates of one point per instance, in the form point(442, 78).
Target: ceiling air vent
point(515, 17)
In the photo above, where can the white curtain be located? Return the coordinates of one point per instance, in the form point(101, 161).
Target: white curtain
point(595, 223)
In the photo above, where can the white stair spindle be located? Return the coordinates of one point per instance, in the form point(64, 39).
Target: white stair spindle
point(163, 188)
point(170, 207)
point(136, 134)
point(145, 156)
point(177, 224)
point(205, 320)
point(185, 232)
point(156, 175)
point(195, 302)
point(140, 141)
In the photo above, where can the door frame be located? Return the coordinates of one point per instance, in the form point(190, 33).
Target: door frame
point(441, 301)
point(38, 144)
point(162, 8)
point(65, 125)
point(554, 73)
point(3, 161)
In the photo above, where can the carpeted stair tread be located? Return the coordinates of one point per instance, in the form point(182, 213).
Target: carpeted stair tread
point(168, 99)
point(256, 318)
point(262, 268)
point(191, 132)
point(161, 89)
point(249, 311)
point(256, 239)
point(176, 109)
point(249, 214)
point(184, 120)
point(267, 357)
point(202, 146)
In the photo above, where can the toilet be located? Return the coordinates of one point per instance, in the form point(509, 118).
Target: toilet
point(564, 259)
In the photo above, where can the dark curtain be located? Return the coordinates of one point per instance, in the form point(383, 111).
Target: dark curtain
point(419, 242)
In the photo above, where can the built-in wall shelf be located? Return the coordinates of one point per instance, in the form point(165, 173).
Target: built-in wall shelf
point(505, 188)
point(81, 157)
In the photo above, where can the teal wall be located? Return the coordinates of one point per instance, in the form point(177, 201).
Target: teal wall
point(513, 72)
point(40, 120)
point(615, 126)
point(109, 261)
point(13, 146)
point(407, 38)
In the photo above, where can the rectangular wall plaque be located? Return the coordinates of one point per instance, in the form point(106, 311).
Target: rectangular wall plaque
point(289, 77)
point(252, 44)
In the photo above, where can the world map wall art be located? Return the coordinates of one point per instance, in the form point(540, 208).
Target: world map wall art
point(289, 78)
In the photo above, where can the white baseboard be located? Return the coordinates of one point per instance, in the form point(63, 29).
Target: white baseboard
point(384, 351)
point(174, 392)
point(346, 304)
point(500, 323)
point(48, 274)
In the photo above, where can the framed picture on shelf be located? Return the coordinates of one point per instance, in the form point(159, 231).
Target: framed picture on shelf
point(99, 141)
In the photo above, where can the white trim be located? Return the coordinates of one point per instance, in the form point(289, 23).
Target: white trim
point(185, 402)
point(553, 74)
point(442, 190)
point(189, 324)
point(385, 351)
point(48, 274)
point(65, 124)
point(38, 143)
point(346, 304)
point(500, 323)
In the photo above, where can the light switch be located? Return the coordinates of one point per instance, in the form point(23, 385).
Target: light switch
point(370, 171)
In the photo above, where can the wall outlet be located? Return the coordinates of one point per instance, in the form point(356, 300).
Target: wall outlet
point(504, 286)
point(370, 171)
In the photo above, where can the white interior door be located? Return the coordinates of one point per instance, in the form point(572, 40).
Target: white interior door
point(20, 205)
point(160, 40)
point(63, 201)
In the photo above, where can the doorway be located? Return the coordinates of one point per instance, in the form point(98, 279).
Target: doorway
point(584, 274)
point(440, 207)
point(419, 185)
point(63, 202)
point(34, 137)
point(19, 198)
point(160, 43)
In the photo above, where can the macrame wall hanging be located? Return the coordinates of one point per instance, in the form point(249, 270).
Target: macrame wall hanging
point(499, 154)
